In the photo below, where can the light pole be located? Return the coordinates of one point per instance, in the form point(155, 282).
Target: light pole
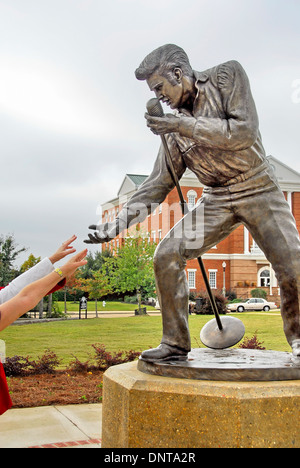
point(224, 288)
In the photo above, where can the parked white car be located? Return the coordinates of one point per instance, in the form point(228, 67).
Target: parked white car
point(252, 304)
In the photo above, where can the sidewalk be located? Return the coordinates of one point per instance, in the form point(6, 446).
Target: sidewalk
point(73, 426)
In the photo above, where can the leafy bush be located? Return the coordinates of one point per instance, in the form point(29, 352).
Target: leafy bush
point(206, 308)
point(22, 366)
point(15, 366)
point(251, 343)
point(103, 359)
point(230, 295)
point(18, 366)
point(257, 292)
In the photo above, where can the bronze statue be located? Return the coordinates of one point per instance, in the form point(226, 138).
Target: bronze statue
point(215, 133)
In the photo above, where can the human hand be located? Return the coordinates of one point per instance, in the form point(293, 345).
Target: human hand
point(74, 263)
point(169, 123)
point(104, 233)
point(64, 250)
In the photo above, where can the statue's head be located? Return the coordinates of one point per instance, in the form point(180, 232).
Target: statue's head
point(163, 61)
point(168, 73)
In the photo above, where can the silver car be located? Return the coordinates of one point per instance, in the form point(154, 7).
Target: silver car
point(252, 304)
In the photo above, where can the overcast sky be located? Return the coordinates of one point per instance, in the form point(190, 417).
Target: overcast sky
point(72, 112)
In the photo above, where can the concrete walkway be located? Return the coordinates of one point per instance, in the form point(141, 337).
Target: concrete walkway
point(72, 426)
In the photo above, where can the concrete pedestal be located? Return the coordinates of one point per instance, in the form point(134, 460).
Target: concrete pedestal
point(150, 411)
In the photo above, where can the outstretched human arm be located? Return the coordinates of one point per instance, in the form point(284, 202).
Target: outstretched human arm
point(40, 270)
point(150, 194)
point(30, 296)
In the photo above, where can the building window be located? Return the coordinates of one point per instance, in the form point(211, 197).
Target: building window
point(192, 279)
point(191, 196)
point(159, 235)
point(213, 278)
point(264, 278)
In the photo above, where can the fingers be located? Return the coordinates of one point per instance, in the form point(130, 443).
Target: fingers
point(79, 256)
point(67, 243)
point(94, 239)
point(153, 123)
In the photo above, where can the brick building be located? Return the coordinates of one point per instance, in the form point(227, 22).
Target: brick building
point(236, 263)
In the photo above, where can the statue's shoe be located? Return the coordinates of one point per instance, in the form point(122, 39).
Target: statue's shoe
point(164, 352)
point(296, 348)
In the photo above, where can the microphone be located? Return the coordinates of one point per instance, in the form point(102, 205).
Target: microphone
point(154, 108)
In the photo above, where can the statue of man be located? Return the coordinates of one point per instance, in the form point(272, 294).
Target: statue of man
point(215, 133)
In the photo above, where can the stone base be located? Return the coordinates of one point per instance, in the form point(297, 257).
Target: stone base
point(228, 365)
point(148, 411)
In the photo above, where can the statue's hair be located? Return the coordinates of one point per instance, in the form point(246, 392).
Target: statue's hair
point(163, 61)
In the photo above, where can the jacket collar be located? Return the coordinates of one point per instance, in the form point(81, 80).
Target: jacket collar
point(201, 77)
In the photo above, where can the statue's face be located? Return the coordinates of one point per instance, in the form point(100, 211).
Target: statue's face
point(167, 92)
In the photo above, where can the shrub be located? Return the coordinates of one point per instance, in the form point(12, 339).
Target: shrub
point(251, 343)
point(230, 295)
point(104, 359)
point(22, 366)
point(237, 300)
point(15, 366)
point(206, 308)
point(257, 292)
point(18, 366)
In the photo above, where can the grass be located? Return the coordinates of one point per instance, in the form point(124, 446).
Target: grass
point(109, 307)
point(75, 337)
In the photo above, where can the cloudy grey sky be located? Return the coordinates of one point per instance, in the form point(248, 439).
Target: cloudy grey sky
point(71, 109)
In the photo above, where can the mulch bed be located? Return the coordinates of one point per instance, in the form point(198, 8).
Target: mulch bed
point(59, 388)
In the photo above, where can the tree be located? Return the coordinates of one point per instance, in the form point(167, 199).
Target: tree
point(94, 263)
point(29, 263)
point(8, 253)
point(132, 268)
point(97, 286)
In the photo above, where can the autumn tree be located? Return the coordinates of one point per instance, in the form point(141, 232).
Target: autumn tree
point(97, 286)
point(131, 269)
point(29, 263)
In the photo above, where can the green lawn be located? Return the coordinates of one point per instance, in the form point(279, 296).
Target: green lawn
point(75, 337)
point(109, 306)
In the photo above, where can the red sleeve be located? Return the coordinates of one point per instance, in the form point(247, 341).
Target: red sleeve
point(5, 401)
point(60, 285)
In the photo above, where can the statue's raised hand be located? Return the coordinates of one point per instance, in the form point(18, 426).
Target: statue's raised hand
point(103, 233)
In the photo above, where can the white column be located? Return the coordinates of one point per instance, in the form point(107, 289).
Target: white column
point(246, 241)
point(289, 200)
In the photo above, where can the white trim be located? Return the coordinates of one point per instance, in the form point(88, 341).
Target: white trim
point(213, 256)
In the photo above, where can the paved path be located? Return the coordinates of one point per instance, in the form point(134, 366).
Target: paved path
point(72, 426)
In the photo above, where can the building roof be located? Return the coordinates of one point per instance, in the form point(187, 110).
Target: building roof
point(137, 179)
point(131, 182)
